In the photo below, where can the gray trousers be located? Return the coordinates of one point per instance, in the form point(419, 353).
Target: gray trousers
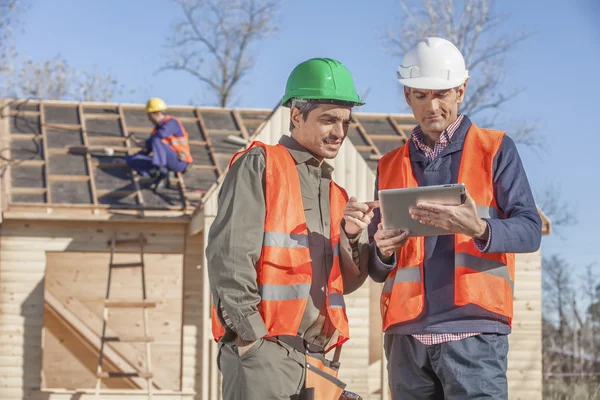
point(468, 369)
point(267, 371)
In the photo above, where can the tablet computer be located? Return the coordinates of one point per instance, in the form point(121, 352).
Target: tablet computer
point(395, 205)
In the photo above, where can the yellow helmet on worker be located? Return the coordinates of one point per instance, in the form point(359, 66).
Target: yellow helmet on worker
point(155, 105)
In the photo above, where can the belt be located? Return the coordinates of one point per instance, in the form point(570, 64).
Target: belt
point(299, 344)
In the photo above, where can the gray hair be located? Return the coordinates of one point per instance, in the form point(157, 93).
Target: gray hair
point(305, 107)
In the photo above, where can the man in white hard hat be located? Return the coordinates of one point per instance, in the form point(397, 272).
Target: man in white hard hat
point(447, 301)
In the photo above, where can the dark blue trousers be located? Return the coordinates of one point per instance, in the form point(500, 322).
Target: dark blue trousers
point(468, 369)
point(163, 158)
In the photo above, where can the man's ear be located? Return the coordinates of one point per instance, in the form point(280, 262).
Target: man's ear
point(462, 89)
point(295, 116)
point(407, 95)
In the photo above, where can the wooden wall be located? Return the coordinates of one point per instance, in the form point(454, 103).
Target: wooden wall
point(78, 281)
point(525, 354)
point(24, 249)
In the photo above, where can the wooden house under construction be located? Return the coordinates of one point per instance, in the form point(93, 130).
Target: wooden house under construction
point(69, 210)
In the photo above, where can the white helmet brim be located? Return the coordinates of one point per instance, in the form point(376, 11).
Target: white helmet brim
point(432, 83)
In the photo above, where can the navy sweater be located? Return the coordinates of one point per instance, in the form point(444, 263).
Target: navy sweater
point(519, 232)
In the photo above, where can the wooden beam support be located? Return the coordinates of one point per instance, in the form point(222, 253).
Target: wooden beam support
point(136, 182)
point(22, 190)
point(5, 182)
point(128, 352)
point(208, 142)
point(32, 163)
point(68, 178)
point(88, 158)
point(64, 127)
point(366, 137)
point(388, 138)
point(46, 154)
point(130, 304)
point(101, 116)
point(397, 128)
point(240, 124)
point(58, 307)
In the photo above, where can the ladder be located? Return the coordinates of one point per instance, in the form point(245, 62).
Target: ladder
point(144, 305)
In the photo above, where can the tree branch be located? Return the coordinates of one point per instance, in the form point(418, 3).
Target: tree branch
point(221, 41)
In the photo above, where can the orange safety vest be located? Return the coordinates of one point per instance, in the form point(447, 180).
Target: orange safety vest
point(284, 269)
point(486, 280)
point(179, 144)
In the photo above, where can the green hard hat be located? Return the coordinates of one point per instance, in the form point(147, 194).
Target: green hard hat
point(321, 79)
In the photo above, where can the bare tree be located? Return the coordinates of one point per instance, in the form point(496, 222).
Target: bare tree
point(558, 296)
point(212, 42)
point(560, 213)
point(55, 79)
point(471, 26)
point(10, 11)
point(590, 289)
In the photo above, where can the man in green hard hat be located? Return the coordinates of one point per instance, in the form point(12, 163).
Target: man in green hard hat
point(286, 246)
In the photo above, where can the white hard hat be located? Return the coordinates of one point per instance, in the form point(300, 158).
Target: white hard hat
point(433, 64)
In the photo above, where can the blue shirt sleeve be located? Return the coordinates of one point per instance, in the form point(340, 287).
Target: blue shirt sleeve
point(378, 270)
point(521, 229)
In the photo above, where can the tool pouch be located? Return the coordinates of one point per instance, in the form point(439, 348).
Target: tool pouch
point(321, 379)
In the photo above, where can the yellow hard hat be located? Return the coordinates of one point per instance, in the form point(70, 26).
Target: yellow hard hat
point(155, 104)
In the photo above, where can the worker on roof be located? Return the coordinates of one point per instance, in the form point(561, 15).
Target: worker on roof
point(166, 151)
point(447, 301)
point(285, 247)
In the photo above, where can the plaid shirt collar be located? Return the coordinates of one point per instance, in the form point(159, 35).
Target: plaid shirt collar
point(418, 138)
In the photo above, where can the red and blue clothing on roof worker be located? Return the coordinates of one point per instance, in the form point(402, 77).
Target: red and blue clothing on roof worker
point(166, 150)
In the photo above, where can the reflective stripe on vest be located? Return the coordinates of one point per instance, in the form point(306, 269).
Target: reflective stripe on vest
point(284, 270)
point(179, 144)
point(486, 280)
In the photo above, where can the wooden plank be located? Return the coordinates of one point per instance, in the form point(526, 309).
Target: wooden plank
point(130, 304)
point(130, 242)
point(32, 163)
point(88, 334)
point(204, 167)
point(198, 142)
point(58, 150)
point(129, 352)
point(129, 339)
point(208, 141)
point(240, 123)
point(397, 128)
point(69, 178)
point(24, 113)
point(127, 265)
point(105, 375)
point(22, 136)
point(88, 158)
point(28, 190)
point(107, 394)
point(183, 191)
point(387, 138)
point(67, 127)
point(363, 148)
point(45, 149)
point(365, 136)
point(6, 182)
point(41, 211)
point(135, 175)
point(105, 139)
point(99, 115)
point(223, 132)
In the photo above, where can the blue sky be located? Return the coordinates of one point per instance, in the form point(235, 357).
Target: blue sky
point(558, 68)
